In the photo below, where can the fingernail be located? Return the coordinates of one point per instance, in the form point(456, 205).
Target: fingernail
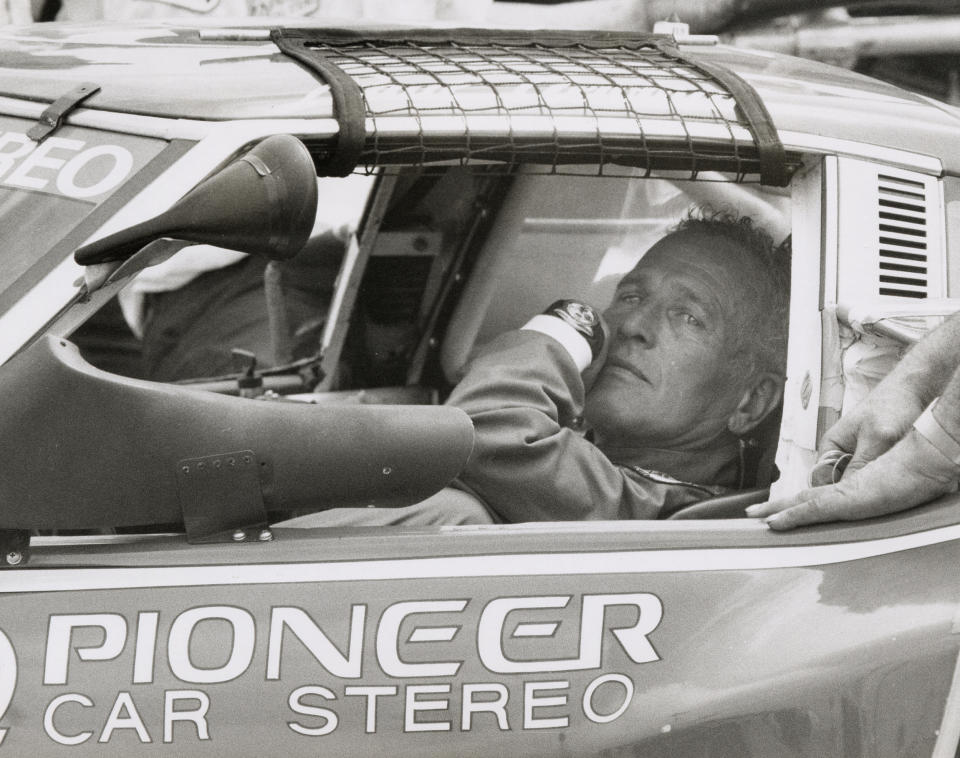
point(751, 509)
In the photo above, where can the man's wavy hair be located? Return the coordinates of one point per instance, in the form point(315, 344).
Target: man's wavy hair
point(762, 347)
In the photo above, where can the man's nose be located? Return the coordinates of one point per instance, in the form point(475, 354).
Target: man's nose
point(640, 324)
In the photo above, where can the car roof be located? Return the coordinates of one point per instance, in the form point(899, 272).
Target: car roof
point(237, 72)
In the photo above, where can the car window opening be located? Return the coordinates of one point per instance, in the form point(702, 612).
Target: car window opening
point(446, 261)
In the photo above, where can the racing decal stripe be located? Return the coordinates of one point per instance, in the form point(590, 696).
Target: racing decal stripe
point(522, 564)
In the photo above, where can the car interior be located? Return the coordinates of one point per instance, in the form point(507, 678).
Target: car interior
point(437, 262)
point(434, 261)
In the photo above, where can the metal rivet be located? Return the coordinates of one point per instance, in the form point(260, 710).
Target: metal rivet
point(185, 469)
point(239, 535)
point(231, 461)
point(217, 463)
point(247, 459)
point(201, 466)
point(265, 536)
point(14, 557)
point(387, 471)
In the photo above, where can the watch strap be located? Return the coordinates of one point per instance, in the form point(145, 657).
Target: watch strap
point(931, 430)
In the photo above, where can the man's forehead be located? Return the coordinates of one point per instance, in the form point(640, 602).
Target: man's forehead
point(693, 250)
point(682, 283)
point(705, 268)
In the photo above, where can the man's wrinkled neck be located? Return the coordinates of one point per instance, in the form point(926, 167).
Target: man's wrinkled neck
point(712, 466)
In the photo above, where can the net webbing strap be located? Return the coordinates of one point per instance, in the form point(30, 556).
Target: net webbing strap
point(466, 36)
point(348, 106)
point(770, 152)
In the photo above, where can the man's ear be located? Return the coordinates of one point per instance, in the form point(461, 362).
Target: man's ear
point(761, 396)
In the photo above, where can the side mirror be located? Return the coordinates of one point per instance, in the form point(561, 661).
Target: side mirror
point(263, 203)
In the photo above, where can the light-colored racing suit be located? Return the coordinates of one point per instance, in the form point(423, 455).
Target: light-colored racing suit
point(529, 463)
point(525, 395)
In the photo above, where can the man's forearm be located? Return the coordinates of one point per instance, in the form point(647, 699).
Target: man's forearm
point(927, 368)
point(894, 467)
point(947, 410)
point(521, 392)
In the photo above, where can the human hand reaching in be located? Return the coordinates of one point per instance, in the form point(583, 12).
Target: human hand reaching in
point(913, 471)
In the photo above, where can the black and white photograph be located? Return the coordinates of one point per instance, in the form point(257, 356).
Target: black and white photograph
point(480, 378)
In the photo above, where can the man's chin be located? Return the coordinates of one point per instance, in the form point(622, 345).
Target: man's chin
point(604, 412)
point(613, 413)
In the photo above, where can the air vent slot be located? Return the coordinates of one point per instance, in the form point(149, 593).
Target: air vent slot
point(889, 234)
point(902, 237)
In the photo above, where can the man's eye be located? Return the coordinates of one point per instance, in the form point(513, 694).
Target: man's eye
point(691, 320)
point(629, 298)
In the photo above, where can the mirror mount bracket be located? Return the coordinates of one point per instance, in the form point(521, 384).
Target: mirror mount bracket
point(222, 499)
point(52, 117)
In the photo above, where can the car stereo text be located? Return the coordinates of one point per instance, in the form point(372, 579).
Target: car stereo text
point(514, 666)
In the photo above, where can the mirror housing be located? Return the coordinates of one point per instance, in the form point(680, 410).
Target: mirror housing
point(263, 203)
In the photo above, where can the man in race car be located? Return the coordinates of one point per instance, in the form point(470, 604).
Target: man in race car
point(632, 419)
point(639, 418)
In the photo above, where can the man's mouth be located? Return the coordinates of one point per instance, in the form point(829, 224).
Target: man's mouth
point(615, 362)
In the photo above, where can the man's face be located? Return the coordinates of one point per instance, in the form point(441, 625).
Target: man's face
point(669, 380)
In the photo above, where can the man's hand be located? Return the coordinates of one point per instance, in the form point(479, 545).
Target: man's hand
point(869, 430)
point(590, 374)
point(911, 472)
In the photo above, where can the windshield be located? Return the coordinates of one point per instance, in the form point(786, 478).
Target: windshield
point(48, 189)
point(32, 224)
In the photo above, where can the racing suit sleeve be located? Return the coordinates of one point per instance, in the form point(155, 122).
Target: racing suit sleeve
point(523, 392)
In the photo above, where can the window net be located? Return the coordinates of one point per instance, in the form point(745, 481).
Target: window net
point(562, 102)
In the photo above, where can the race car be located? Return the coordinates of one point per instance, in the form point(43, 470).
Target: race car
point(150, 602)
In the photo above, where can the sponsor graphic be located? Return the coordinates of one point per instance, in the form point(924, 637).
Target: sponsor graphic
point(62, 166)
point(431, 665)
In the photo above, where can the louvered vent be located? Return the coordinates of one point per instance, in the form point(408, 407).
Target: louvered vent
point(902, 235)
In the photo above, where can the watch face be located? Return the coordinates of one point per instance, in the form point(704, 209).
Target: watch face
point(580, 315)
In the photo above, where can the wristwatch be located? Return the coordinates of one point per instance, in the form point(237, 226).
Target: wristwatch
point(582, 317)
